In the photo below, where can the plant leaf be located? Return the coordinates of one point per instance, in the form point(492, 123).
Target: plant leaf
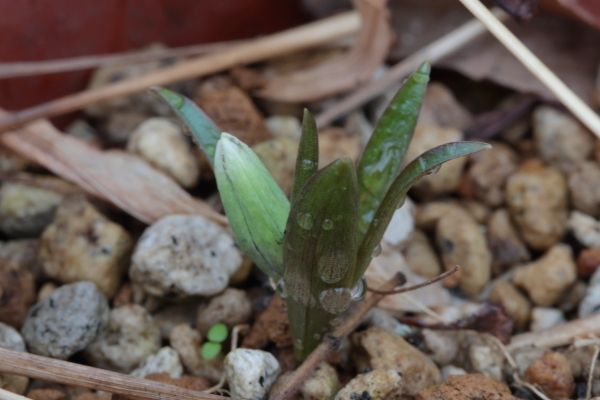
point(427, 162)
point(202, 127)
point(256, 207)
point(307, 161)
point(320, 252)
point(383, 156)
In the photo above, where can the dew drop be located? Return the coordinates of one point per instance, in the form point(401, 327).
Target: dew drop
point(331, 267)
point(336, 300)
point(358, 291)
point(281, 289)
point(308, 164)
point(305, 220)
point(376, 251)
point(433, 170)
point(327, 224)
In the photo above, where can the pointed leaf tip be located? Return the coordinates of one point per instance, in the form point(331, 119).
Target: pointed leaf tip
point(203, 129)
point(425, 68)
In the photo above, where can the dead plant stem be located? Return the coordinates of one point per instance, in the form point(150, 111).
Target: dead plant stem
point(67, 373)
point(31, 68)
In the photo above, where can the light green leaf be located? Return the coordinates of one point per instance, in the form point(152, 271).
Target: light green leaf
point(383, 156)
point(210, 350)
point(428, 162)
point(204, 130)
point(256, 207)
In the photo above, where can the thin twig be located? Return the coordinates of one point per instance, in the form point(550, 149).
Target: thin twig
point(289, 41)
point(67, 373)
point(433, 52)
point(30, 68)
point(562, 92)
point(590, 381)
point(515, 370)
point(428, 282)
point(331, 342)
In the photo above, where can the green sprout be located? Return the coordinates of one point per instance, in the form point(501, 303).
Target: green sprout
point(210, 350)
point(317, 246)
point(216, 335)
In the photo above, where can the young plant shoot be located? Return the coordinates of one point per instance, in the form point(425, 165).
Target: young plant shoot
point(317, 246)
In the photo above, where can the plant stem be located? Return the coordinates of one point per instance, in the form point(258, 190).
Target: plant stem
point(331, 342)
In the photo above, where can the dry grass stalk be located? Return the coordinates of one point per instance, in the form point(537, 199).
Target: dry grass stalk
point(433, 52)
point(31, 68)
point(562, 92)
point(72, 374)
point(292, 40)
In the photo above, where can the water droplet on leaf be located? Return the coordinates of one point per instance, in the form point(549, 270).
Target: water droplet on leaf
point(308, 164)
point(336, 300)
point(331, 267)
point(305, 220)
point(358, 291)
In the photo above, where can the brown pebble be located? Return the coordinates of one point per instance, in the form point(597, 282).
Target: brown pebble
point(468, 387)
point(18, 262)
point(488, 172)
point(232, 110)
point(552, 373)
point(537, 199)
point(505, 243)
point(47, 394)
point(588, 261)
point(548, 278)
point(514, 302)
point(461, 241)
point(271, 326)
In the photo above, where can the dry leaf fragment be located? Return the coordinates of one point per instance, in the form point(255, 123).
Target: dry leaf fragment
point(121, 178)
point(342, 73)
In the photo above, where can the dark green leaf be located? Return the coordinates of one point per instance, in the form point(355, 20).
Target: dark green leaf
point(428, 162)
point(202, 127)
point(320, 252)
point(307, 161)
point(256, 207)
point(384, 154)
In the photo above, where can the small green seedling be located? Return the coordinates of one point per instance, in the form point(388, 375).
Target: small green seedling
point(216, 335)
point(317, 245)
